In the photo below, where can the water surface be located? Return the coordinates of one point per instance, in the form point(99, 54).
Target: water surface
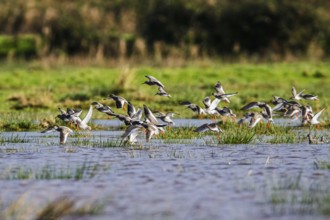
point(165, 181)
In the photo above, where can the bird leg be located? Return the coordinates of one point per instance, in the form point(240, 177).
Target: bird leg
point(162, 133)
point(219, 136)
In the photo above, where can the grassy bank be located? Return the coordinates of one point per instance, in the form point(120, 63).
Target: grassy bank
point(32, 91)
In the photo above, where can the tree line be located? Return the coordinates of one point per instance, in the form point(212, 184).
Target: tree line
point(144, 28)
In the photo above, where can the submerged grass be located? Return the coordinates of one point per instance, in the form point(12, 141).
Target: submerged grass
point(101, 143)
point(180, 133)
point(322, 164)
point(14, 138)
point(309, 201)
point(290, 195)
point(283, 139)
point(86, 170)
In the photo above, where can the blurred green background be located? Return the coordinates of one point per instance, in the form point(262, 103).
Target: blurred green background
point(156, 29)
point(69, 53)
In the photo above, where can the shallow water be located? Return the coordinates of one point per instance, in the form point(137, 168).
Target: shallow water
point(165, 181)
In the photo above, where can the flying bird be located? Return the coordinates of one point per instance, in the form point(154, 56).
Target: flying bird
point(83, 123)
point(64, 132)
point(162, 92)
point(266, 110)
point(210, 127)
point(120, 101)
point(220, 93)
point(195, 108)
point(152, 81)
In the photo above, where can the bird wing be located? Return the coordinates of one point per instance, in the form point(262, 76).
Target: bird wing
point(229, 94)
point(119, 104)
point(63, 137)
point(153, 79)
point(309, 96)
point(268, 110)
point(254, 120)
point(278, 107)
point(219, 88)
point(131, 130)
point(137, 115)
point(130, 109)
point(50, 129)
point(150, 131)
point(161, 89)
point(293, 91)
point(242, 120)
point(316, 116)
point(202, 128)
point(300, 93)
point(214, 104)
point(207, 102)
point(250, 105)
point(62, 111)
point(88, 116)
point(200, 110)
point(214, 127)
point(149, 115)
point(186, 103)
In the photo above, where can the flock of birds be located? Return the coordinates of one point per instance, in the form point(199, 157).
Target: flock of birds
point(150, 125)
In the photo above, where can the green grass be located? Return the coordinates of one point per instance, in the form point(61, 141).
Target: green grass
point(31, 92)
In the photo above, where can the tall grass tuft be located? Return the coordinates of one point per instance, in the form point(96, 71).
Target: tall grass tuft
point(237, 136)
point(180, 133)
